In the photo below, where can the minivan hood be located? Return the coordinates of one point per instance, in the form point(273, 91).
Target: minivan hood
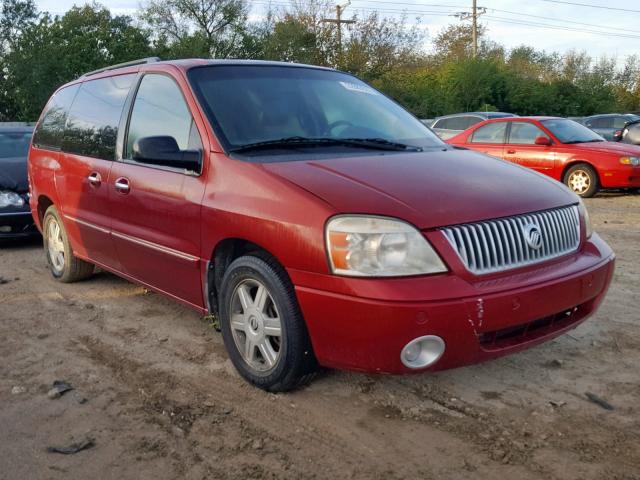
point(428, 189)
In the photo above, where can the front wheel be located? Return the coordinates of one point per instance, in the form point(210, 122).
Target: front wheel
point(582, 179)
point(262, 327)
point(64, 265)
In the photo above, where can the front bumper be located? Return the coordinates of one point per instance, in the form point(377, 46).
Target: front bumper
point(363, 324)
point(17, 223)
point(623, 177)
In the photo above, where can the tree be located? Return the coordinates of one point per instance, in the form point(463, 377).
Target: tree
point(15, 17)
point(198, 28)
point(56, 50)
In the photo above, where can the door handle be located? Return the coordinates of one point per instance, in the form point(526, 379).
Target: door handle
point(95, 179)
point(511, 152)
point(122, 185)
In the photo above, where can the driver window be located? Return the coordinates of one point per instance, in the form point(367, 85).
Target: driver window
point(524, 133)
point(160, 110)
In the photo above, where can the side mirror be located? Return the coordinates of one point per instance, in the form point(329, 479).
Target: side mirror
point(617, 136)
point(543, 141)
point(164, 150)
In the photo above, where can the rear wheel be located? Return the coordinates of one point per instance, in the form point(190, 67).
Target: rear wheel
point(262, 327)
point(64, 265)
point(582, 179)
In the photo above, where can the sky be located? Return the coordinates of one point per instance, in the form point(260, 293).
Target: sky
point(550, 25)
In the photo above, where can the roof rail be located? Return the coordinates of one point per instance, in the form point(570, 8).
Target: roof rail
point(141, 61)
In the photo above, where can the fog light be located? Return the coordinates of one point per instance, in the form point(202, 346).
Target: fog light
point(422, 351)
point(5, 229)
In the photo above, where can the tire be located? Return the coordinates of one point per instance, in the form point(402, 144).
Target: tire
point(64, 265)
point(257, 298)
point(582, 180)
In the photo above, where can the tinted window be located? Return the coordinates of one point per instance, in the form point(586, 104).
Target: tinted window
point(92, 126)
point(490, 133)
point(251, 104)
point(14, 144)
point(48, 133)
point(160, 110)
point(525, 133)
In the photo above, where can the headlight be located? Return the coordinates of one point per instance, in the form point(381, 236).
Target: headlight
point(584, 213)
point(633, 161)
point(10, 199)
point(379, 247)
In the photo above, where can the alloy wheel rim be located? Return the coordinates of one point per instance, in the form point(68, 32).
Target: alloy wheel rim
point(256, 326)
point(579, 181)
point(55, 245)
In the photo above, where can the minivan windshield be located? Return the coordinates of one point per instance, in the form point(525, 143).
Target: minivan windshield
point(256, 109)
point(568, 131)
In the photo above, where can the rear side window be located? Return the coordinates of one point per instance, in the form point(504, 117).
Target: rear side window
point(49, 132)
point(600, 122)
point(490, 133)
point(92, 124)
point(524, 133)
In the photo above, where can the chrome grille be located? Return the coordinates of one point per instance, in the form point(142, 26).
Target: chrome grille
point(511, 242)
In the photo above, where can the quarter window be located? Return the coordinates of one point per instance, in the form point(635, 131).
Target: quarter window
point(48, 133)
point(524, 133)
point(490, 133)
point(92, 126)
point(620, 122)
point(160, 110)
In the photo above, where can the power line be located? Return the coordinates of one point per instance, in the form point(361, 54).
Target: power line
point(523, 22)
point(614, 29)
point(559, 27)
point(592, 6)
point(282, 3)
point(430, 5)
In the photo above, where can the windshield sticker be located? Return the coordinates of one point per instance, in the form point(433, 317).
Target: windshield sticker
point(354, 87)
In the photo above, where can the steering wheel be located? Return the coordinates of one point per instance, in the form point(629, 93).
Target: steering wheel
point(338, 123)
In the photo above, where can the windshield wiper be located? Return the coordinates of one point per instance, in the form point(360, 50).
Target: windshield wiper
point(583, 141)
point(373, 143)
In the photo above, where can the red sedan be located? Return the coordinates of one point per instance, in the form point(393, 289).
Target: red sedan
point(558, 147)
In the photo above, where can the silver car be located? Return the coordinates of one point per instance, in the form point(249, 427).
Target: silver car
point(451, 125)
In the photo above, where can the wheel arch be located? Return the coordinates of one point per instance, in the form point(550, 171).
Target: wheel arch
point(577, 161)
point(44, 202)
point(222, 255)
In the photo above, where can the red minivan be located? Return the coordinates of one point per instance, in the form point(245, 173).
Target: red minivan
point(318, 220)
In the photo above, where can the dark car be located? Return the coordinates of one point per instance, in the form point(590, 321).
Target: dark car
point(451, 125)
point(15, 215)
point(608, 124)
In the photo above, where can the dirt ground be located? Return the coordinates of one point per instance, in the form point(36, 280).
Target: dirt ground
point(155, 390)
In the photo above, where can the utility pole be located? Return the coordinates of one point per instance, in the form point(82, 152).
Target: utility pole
point(474, 30)
point(476, 12)
point(339, 22)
